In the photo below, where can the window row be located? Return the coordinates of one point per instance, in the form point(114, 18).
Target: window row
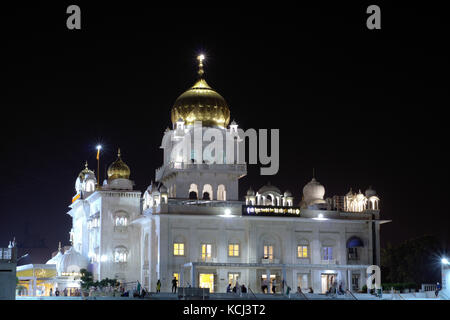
point(206, 250)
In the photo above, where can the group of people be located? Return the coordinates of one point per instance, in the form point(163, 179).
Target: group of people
point(174, 285)
point(238, 289)
point(65, 292)
point(335, 289)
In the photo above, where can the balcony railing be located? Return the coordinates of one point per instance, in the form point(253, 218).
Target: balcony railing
point(266, 261)
point(175, 166)
point(328, 261)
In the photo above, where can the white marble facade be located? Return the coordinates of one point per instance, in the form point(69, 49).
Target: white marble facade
point(192, 224)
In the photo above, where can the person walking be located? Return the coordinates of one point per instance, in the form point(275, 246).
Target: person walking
point(174, 285)
point(229, 288)
point(51, 292)
point(65, 292)
point(57, 292)
point(158, 286)
point(274, 286)
point(438, 288)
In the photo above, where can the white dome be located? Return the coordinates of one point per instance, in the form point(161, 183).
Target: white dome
point(72, 261)
point(56, 260)
point(287, 193)
point(313, 190)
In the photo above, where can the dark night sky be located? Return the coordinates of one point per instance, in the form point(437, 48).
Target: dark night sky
point(362, 107)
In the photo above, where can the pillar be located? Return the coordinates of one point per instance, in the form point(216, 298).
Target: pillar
point(349, 279)
point(193, 284)
point(269, 284)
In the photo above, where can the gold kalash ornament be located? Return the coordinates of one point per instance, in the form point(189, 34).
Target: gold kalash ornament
point(201, 103)
point(118, 169)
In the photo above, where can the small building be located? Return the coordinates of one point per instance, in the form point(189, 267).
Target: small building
point(8, 262)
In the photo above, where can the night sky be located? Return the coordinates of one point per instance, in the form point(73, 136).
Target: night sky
point(362, 107)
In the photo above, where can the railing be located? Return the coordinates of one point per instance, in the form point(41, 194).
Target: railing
point(264, 261)
point(351, 293)
point(199, 166)
point(428, 287)
point(251, 291)
point(330, 261)
point(303, 295)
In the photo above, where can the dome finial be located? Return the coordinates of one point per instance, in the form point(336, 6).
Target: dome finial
point(86, 165)
point(200, 59)
point(59, 246)
point(118, 153)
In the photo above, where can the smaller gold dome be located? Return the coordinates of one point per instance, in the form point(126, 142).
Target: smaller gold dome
point(118, 169)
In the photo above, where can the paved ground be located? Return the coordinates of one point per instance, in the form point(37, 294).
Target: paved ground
point(259, 296)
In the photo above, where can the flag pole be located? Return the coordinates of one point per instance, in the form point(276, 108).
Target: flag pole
point(98, 166)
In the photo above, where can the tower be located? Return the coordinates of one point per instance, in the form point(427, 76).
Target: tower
point(201, 150)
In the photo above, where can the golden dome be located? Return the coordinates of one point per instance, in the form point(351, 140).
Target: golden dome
point(201, 103)
point(118, 169)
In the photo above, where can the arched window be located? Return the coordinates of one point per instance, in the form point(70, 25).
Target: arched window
point(120, 254)
point(121, 219)
point(207, 189)
point(193, 191)
point(90, 185)
point(221, 193)
point(206, 196)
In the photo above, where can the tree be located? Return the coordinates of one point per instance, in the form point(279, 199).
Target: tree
point(413, 260)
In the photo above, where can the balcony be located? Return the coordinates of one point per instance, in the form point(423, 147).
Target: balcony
point(267, 261)
point(172, 167)
point(329, 261)
point(207, 259)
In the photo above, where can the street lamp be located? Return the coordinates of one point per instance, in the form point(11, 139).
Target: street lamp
point(445, 261)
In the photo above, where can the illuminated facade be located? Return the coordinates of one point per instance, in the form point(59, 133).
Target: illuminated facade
point(191, 224)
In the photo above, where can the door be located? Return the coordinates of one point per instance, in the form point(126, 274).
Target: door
point(206, 280)
point(327, 280)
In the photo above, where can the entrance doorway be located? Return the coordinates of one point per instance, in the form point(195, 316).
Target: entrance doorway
point(327, 280)
point(206, 280)
point(269, 282)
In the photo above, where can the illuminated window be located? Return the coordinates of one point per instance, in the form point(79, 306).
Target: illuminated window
point(302, 252)
point(120, 254)
point(178, 249)
point(90, 185)
point(233, 250)
point(206, 251)
point(327, 253)
point(268, 252)
point(176, 275)
point(121, 221)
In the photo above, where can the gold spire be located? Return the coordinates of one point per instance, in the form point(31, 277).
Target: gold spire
point(200, 59)
point(118, 153)
point(86, 165)
point(59, 246)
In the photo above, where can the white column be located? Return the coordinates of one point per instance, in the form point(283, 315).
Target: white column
point(349, 279)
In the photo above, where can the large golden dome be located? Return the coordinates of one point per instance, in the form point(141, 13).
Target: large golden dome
point(118, 169)
point(201, 103)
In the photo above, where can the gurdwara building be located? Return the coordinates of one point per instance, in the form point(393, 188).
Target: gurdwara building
point(191, 223)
